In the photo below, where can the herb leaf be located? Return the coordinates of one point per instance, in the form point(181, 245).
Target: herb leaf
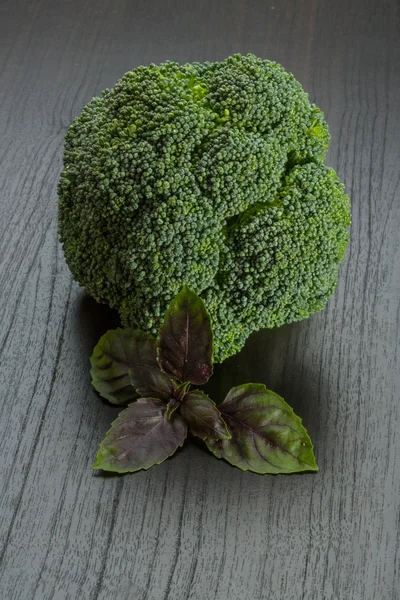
point(181, 390)
point(267, 437)
point(117, 351)
point(140, 437)
point(172, 405)
point(185, 344)
point(203, 417)
point(150, 382)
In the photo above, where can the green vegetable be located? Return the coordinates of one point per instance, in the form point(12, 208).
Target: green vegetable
point(253, 429)
point(207, 174)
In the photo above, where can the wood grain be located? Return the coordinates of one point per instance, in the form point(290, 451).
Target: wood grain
point(194, 528)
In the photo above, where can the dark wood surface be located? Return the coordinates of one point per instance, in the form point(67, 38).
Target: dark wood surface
point(195, 528)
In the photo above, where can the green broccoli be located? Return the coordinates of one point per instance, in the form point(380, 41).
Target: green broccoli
point(210, 175)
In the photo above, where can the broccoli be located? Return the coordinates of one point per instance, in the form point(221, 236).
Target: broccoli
point(211, 175)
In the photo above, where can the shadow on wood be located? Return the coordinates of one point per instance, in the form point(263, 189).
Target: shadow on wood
point(95, 319)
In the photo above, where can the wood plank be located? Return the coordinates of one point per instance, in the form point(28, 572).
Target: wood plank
point(195, 528)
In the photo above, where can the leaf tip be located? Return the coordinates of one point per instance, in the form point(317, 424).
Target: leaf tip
point(311, 463)
point(97, 464)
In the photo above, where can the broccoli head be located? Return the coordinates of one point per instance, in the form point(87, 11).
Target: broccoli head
point(211, 175)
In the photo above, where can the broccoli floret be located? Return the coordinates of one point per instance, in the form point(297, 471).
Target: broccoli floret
point(211, 175)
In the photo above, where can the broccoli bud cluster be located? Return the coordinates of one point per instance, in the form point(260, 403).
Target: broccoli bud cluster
point(211, 175)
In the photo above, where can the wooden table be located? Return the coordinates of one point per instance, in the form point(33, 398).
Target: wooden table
point(194, 527)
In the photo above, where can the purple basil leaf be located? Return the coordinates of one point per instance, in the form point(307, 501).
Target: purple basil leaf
point(172, 405)
point(267, 437)
point(140, 437)
point(117, 351)
point(150, 382)
point(185, 344)
point(203, 417)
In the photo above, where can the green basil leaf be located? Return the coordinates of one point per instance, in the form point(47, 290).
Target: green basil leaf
point(185, 343)
point(117, 351)
point(203, 417)
point(150, 382)
point(267, 437)
point(172, 405)
point(141, 436)
point(181, 390)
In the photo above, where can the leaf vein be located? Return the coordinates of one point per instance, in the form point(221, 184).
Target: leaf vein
point(113, 458)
